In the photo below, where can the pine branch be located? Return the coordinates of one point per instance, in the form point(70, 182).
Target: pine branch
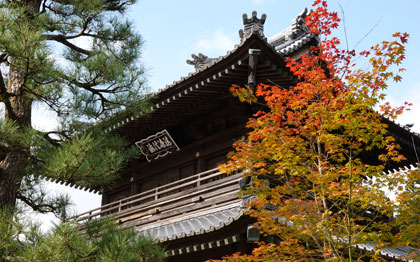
point(41, 208)
point(62, 39)
point(82, 31)
point(52, 141)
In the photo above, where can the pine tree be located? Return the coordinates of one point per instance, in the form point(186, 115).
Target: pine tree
point(99, 240)
point(79, 59)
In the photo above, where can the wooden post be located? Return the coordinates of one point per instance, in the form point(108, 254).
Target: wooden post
point(201, 165)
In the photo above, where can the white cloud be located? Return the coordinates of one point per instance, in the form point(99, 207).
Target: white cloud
point(83, 42)
point(43, 119)
point(217, 41)
point(408, 94)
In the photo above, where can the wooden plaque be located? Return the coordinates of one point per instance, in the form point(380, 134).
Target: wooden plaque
point(157, 145)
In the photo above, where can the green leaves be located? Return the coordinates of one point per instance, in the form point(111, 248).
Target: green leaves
point(79, 59)
point(92, 159)
point(323, 147)
point(99, 241)
point(102, 241)
point(9, 232)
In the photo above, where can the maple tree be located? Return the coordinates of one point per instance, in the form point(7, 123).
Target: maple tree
point(314, 192)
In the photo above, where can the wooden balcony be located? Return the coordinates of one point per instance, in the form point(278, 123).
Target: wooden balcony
point(201, 191)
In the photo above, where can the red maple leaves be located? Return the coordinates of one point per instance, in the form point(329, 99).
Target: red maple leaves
point(310, 142)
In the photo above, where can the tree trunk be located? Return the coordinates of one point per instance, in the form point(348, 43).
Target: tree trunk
point(12, 167)
point(10, 178)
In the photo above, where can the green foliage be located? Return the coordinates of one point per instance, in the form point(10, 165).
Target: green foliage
point(93, 158)
point(408, 212)
point(80, 60)
point(317, 153)
point(9, 232)
point(11, 138)
point(98, 241)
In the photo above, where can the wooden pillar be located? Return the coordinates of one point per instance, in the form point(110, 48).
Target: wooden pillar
point(201, 165)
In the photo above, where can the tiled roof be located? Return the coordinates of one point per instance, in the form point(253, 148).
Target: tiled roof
point(401, 137)
point(204, 67)
point(289, 47)
point(71, 184)
point(286, 42)
point(216, 218)
point(399, 253)
point(403, 169)
point(194, 224)
point(294, 37)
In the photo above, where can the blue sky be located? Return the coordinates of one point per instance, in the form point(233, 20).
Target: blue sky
point(173, 30)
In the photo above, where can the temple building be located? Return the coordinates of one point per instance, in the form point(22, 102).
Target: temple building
point(175, 193)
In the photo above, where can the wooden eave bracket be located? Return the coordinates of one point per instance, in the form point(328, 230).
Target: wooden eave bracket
point(252, 66)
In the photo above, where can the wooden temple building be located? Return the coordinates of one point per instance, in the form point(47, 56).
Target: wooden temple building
point(175, 193)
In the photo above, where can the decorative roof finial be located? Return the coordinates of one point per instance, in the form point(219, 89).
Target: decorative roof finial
point(200, 61)
point(252, 25)
point(299, 26)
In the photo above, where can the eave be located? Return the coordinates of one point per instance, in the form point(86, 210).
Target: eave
point(198, 92)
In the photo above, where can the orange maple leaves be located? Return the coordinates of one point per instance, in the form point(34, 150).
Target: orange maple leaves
point(310, 145)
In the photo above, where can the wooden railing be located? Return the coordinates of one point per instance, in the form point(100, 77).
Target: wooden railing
point(210, 187)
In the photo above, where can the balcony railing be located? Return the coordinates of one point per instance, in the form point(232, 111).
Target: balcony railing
point(202, 190)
